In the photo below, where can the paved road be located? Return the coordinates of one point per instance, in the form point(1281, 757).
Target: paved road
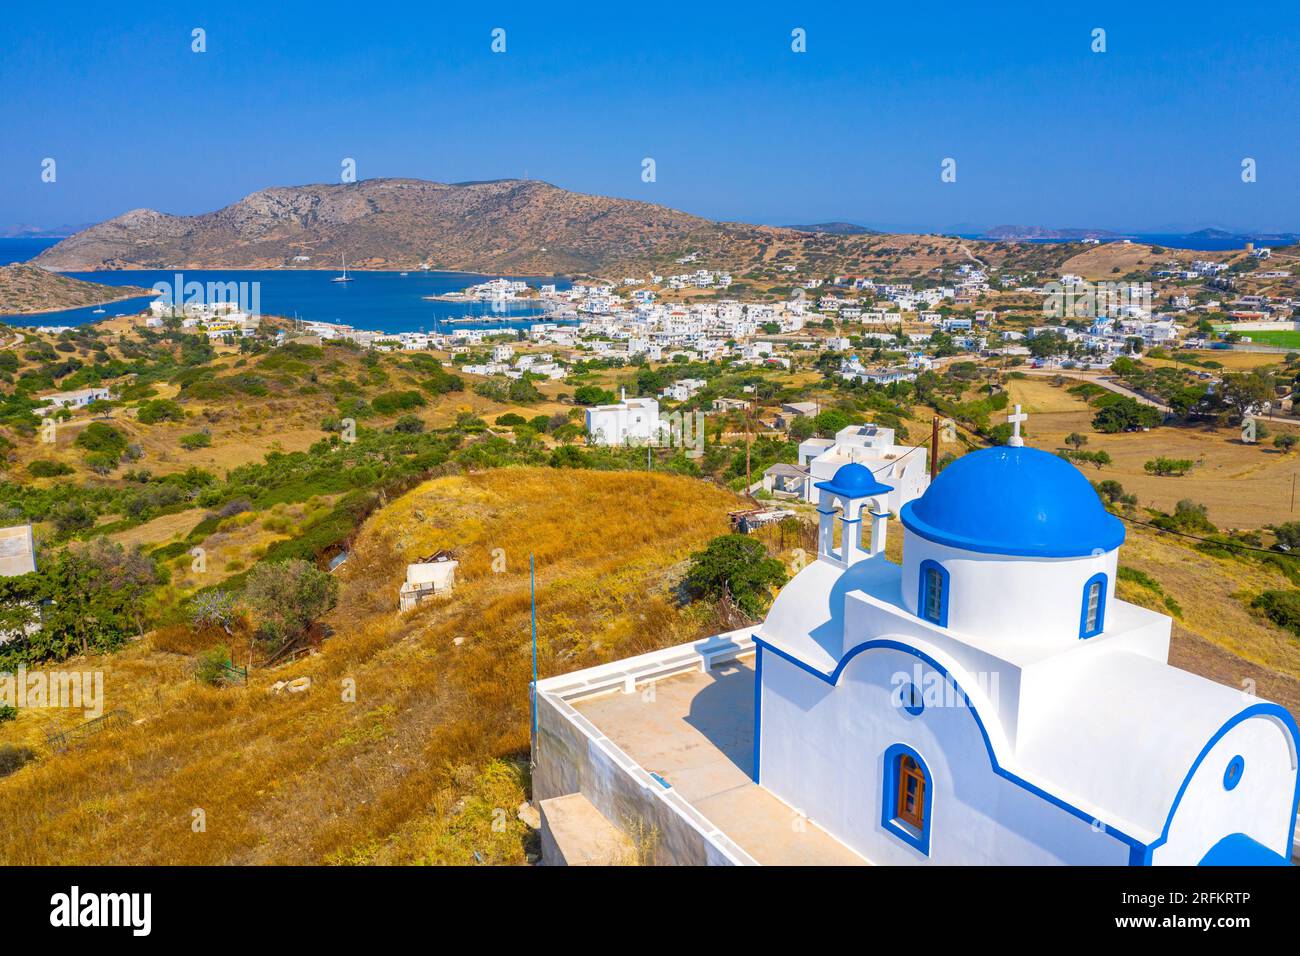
point(1104, 381)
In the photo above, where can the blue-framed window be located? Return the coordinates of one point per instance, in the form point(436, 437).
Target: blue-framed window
point(932, 593)
point(907, 803)
point(1092, 616)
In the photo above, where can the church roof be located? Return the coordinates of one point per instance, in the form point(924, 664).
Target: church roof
point(1014, 501)
point(854, 481)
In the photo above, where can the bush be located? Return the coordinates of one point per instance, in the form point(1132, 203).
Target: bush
point(1280, 607)
point(408, 425)
point(47, 468)
point(212, 665)
point(199, 439)
point(101, 437)
point(13, 757)
point(288, 597)
point(737, 564)
point(160, 410)
point(1175, 467)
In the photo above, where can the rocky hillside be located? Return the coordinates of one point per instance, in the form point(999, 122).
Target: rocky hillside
point(506, 226)
point(25, 289)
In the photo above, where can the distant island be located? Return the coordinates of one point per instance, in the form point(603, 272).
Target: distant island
point(27, 290)
point(837, 229)
point(1004, 233)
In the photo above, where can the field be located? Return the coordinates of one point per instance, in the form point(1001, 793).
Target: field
point(1279, 337)
point(1243, 486)
point(431, 753)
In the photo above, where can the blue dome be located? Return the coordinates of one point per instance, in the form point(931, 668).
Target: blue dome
point(1017, 501)
point(854, 481)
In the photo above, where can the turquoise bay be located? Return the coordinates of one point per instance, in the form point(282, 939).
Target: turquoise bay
point(380, 301)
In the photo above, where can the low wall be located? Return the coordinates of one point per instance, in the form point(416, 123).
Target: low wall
point(571, 755)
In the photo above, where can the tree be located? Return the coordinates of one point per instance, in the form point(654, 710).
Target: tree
point(739, 565)
point(1123, 415)
point(1176, 467)
point(1288, 535)
point(101, 437)
point(95, 597)
point(829, 422)
point(1244, 392)
point(287, 597)
point(592, 395)
point(1284, 442)
point(1076, 440)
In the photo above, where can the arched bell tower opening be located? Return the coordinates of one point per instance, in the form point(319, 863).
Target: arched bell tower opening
point(853, 496)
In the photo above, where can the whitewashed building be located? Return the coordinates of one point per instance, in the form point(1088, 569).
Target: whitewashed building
point(903, 467)
point(630, 421)
point(987, 701)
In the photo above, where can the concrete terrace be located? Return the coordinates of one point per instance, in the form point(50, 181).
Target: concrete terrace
point(692, 728)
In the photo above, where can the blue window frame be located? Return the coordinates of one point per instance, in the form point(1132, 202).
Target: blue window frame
point(1233, 772)
point(932, 593)
point(908, 799)
point(1092, 616)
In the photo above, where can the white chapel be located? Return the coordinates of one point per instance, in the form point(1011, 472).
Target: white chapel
point(991, 701)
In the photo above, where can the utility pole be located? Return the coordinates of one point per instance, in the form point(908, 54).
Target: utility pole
point(747, 450)
point(934, 445)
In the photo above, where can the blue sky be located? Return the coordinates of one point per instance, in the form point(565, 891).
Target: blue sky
point(1148, 136)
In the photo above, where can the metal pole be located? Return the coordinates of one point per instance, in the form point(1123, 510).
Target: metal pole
point(532, 587)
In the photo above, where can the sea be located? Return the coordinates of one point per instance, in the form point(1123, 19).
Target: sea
point(377, 301)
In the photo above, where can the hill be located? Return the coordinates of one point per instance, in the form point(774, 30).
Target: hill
point(518, 226)
point(25, 289)
point(522, 227)
point(1041, 232)
point(837, 228)
point(427, 759)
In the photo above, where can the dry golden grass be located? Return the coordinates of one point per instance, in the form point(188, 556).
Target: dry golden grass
point(1101, 262)
point(1242, 486)
point(424, 762)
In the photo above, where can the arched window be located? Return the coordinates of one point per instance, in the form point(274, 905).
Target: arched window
point(1092, 617)
point(908, 798)
point(932, 594)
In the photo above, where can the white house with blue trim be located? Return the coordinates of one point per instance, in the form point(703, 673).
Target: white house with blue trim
point(991, 701)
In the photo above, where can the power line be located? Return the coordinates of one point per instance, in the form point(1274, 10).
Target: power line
point(1210, 541)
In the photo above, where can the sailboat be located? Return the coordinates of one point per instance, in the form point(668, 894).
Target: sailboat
point(344, 277)
point(98, 312)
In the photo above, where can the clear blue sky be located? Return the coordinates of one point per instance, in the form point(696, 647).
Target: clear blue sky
point(1149, 135)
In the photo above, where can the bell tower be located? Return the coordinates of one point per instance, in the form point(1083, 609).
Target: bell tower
point(852, 487)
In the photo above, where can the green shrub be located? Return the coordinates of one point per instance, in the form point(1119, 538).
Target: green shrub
point(47, 468)
point(1280, 607)
point(102, 437)
point(160, 410)
point(212, 664)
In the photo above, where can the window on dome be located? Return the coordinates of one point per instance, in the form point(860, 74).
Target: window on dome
point(933, 599)
point(1093, 618)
